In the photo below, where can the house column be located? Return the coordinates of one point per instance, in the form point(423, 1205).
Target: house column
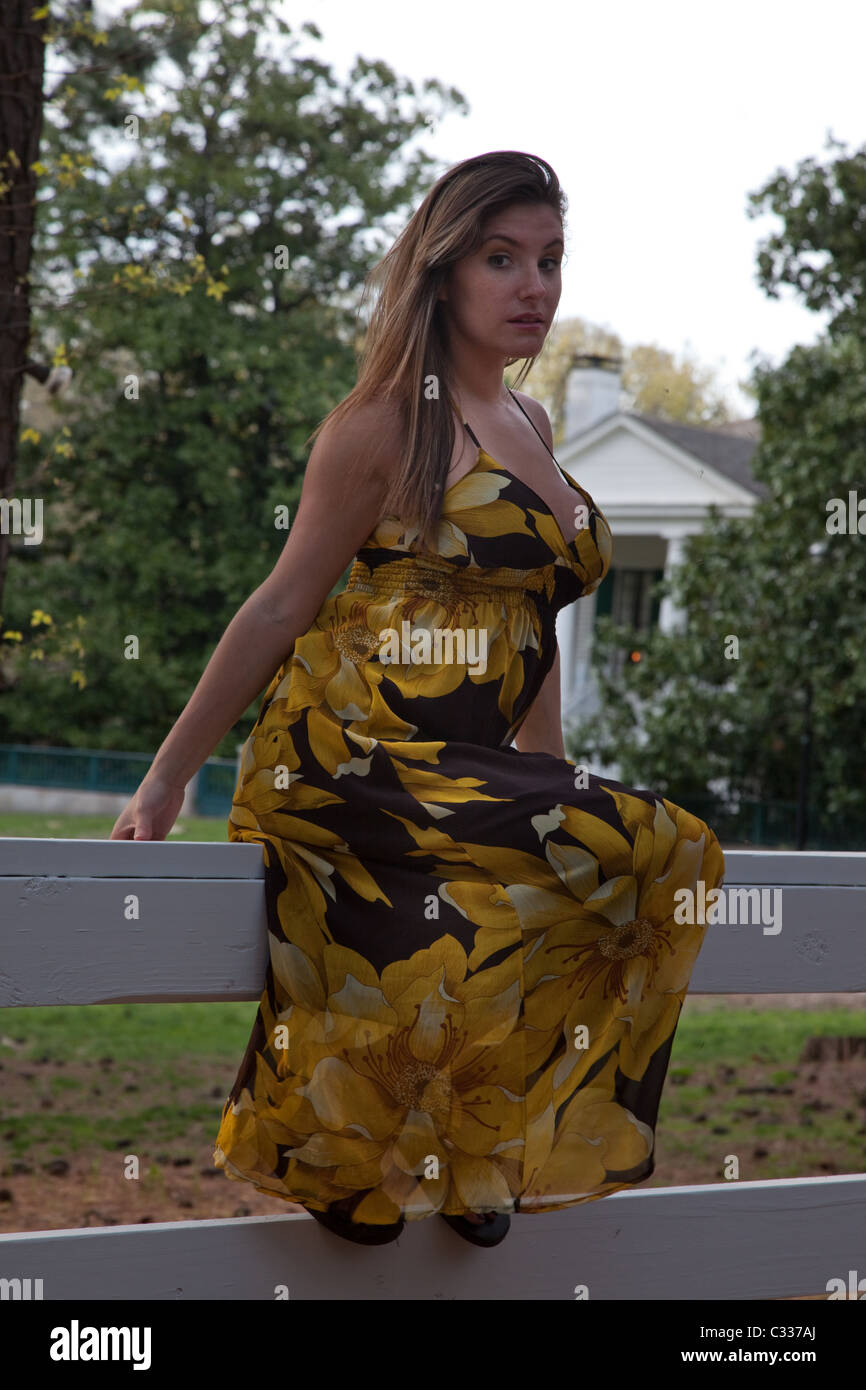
point(669, 615)
point(575, 625)
point(566, 641)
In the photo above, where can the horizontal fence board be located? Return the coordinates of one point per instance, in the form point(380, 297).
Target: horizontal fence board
point(25, 858)
point(808, 866)
point(20, 857)
point(738, 1240)
point(202, 931)
point(821, 947)
point(66, 941)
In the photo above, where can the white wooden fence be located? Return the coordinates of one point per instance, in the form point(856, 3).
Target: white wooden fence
point(203, 936)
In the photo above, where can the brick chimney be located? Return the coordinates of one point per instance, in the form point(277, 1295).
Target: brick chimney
point(593, 390)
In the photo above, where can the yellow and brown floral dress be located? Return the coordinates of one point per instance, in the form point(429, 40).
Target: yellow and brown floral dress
point(475, 970)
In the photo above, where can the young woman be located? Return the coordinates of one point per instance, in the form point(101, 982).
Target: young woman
point(475, 969)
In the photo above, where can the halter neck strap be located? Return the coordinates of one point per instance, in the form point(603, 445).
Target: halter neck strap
point(476, 441)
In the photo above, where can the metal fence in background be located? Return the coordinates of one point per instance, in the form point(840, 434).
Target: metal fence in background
point(774, 824)
point(102, 770)
point(750, 822)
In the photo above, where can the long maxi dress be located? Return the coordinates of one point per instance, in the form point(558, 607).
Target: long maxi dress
point(475, 967)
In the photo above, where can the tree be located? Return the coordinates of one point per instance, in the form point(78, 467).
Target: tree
point(214, 256)
point(22, 60)
point(76, 41)
point(653, 381)
point(768, 653)
point(820, 250)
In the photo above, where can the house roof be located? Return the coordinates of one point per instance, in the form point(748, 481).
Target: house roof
point(727, 448)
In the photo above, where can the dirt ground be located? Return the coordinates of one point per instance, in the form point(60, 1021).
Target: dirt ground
point(87, 1187)
point(92, 1191)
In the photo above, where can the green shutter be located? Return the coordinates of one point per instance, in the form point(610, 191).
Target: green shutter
point(604, 595)
point(656, 603)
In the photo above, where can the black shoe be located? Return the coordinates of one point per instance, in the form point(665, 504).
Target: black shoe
point(361, 1232)
point(491, 1233)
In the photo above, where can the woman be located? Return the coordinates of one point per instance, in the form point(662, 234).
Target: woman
point(475, 971)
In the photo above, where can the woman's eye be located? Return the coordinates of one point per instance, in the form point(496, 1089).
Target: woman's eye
point(503, 255)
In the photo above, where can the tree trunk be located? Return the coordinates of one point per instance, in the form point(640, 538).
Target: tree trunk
point(833, 1049)
point(22, 67)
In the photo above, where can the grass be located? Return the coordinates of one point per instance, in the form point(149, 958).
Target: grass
point(37, 825)
point(163, 1035)
point(166, 1034)
point(160, 1073)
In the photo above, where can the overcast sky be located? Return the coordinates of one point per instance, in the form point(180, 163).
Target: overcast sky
point(659, 119)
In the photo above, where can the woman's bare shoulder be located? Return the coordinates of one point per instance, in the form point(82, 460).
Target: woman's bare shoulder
point(537, 413)
point(370, 434)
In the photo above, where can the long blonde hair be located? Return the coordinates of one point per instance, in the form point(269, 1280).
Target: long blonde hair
point(404, 344)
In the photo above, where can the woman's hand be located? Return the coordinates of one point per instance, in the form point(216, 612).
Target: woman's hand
point(152, 811)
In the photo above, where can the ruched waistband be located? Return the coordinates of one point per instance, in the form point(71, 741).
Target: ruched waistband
point(445, 583)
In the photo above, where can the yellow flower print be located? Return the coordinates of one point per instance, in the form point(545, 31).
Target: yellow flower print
point(595, 1135)
point(471, 507)
point(452, 1022)
point(418, 1064)
point(509, 630)
point(474, 507)
point(621, 942)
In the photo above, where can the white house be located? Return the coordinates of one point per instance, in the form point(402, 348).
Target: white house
point(654, 481)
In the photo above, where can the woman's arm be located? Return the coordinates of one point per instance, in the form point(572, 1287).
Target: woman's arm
point(339, 507)
point(541, 730)
point(251, 649)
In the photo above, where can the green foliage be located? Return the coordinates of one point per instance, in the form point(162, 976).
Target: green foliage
point(820, 249)
point(698, 708)
point(202, 266)
point(699, 711)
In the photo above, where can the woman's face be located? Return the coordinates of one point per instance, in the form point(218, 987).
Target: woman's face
point(515, 271)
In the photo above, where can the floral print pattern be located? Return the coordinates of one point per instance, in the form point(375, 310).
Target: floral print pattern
point(475, 974)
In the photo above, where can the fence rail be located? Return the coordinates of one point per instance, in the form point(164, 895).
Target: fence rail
point(201, 935)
